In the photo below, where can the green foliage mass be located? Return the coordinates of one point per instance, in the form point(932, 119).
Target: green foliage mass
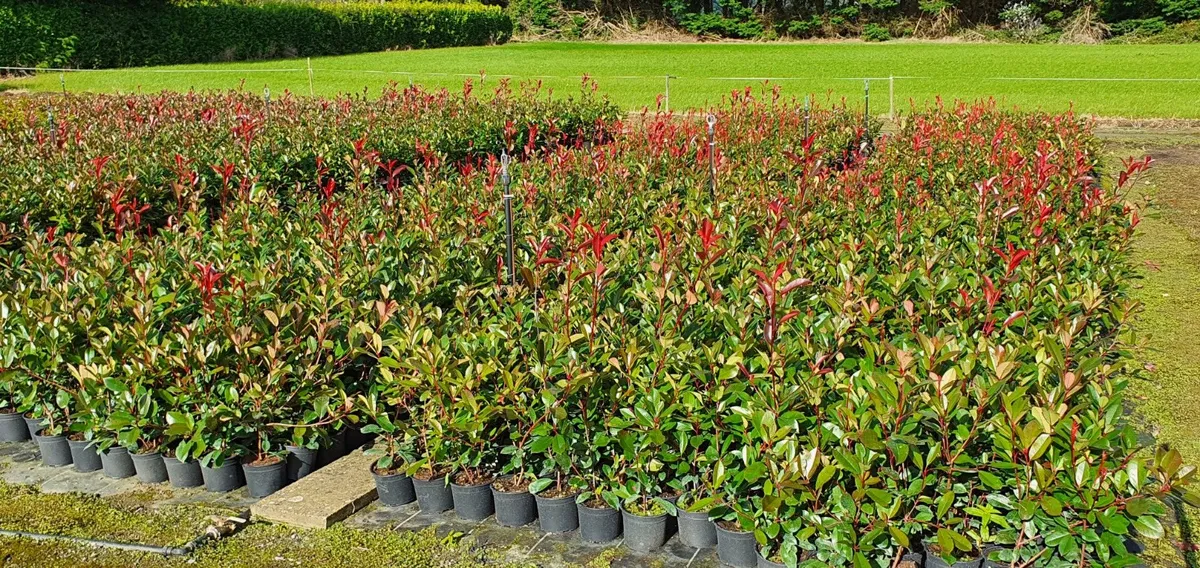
point(850, 344)
point(73, 33)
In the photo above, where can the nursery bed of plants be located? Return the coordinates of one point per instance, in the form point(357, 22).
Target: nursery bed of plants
point(791, 338)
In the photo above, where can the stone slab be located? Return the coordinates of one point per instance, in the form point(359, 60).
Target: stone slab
point(323, 497)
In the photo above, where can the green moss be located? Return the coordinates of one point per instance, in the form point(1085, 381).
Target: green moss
point(133, 518)
point(128, 518)
point(606, 558)
point(272, 546)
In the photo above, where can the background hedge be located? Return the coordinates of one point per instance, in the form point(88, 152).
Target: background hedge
point(80, 33)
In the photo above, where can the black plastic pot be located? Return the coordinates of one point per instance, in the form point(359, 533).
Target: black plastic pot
point(473, 502)
point(117, 463)
point(34, 425)
point(434, 496)
point(557, 514)
point(84, 454)
point(13, 428)
point(394, 490)
point(989, 563)
point(223, 479)
point(183, 474)
point(737, 548)
point(514, 509)
point(335, 448)
point(150, 467)
point(644, 534)
point(300, 462)
point(263, 480)
point(764, 563)
point(933, 560)
point(598, 525)
point(55, 450)
point(356, 439)
point(696, 530)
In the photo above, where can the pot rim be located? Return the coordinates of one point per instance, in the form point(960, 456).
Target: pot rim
point(399, 474)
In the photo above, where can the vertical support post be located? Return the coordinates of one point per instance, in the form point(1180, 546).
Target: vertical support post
point(807, 113)
point(867, 108)
point(667, 97)
point(712, 160)
point(410, 81)
point(310, 77)
point(508, 218)
point(267, 102)
point(62, 80)
point(53, 127)
point(891, 97)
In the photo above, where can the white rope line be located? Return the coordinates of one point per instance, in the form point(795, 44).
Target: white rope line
point(616, 77)
point(1131, 79)
point(139, 70)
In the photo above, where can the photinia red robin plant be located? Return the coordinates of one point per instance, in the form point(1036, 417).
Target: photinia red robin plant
point(860, 348)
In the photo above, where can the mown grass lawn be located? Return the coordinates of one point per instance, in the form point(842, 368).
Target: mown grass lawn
point(634, 74)
point(1167, 255)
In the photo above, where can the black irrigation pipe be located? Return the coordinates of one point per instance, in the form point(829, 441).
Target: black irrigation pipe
point(212, 533)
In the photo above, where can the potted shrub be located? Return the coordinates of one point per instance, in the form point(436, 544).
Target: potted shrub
point(392, 449)
point(736, 545)
point(135, 423)
point(552, 444)
point(12, 383)
point(220, 459)
point(599, 514)
point(303, 455)
point(52, 439)
point(84, 452)
point(431, 473)
point(644, 467)
point(473, 428)
point(183, 439)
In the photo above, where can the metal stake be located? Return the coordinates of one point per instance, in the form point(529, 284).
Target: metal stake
point(867, 107)
point(310, 77)
point(267, 101)
point(891, 97)
point(508, 218)
point(712, 162)
point(62, 80)
point(807, 113)
point(667, 97)
point(53, 127)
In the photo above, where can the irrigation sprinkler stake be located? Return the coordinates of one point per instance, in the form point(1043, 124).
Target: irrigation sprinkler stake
point(508, 218)
point(62, 80)
point(712, 161)
point(267, 101)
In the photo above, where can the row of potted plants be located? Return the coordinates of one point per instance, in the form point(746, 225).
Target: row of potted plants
point(836, 351)
point(262, 477)
point(210, 145)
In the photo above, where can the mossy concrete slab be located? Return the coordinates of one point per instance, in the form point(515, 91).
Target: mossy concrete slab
point(324, 497)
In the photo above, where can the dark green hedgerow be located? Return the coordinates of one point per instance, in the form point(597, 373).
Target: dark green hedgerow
point(71, 33)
